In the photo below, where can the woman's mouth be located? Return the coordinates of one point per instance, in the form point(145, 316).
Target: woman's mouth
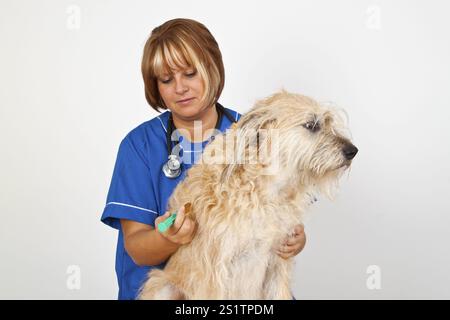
point(185, 101)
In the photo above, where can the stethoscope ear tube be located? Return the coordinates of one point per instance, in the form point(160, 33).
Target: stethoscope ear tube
point(172, 168)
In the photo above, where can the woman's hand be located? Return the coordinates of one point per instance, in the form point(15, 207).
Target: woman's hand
point(293, 245)
point(183, 229)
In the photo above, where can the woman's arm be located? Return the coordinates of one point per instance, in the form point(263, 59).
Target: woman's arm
point(148, 247)
point(145, 245)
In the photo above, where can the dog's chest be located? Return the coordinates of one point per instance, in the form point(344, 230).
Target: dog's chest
point(268, 227)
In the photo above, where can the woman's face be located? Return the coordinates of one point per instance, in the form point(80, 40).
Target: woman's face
point(181, 92)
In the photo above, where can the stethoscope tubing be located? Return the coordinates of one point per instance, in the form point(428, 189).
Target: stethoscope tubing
point(173, 167)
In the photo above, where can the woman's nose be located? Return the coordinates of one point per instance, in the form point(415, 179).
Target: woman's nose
point(180, 86)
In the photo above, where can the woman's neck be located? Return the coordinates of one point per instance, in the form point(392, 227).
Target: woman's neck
point(205, 121)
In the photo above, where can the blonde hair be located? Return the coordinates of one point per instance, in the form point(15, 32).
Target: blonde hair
point(177, 44)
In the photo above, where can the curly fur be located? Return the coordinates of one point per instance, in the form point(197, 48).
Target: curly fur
point(245, 205)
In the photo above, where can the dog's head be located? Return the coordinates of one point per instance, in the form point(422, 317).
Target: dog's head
point(294, 137)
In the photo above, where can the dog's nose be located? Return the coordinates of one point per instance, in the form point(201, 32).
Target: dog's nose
point(350, 151)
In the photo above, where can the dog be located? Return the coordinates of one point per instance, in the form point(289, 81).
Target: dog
point(245, 204)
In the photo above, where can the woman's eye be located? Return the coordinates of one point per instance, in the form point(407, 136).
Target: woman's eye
point(165, 80)
point(312, 126)
point(191, 74)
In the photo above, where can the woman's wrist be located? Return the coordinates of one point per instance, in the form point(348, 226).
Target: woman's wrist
point(166, 241)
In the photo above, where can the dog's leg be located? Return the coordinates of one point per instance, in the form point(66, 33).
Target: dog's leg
point(158, 287)
point(277, 280)
point(247, 272)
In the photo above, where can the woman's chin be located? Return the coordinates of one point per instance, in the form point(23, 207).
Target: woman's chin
point(188, 113)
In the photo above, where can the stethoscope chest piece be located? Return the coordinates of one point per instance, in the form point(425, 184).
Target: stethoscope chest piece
point(172, 168)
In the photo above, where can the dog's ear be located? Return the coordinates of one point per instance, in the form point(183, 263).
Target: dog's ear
point(250, 135)
point(263, 135)
point(256, 120)
point(269, 124)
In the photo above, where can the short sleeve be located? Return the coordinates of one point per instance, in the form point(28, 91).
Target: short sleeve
point(131, 194)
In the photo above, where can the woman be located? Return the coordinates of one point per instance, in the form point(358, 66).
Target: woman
point(183, 72)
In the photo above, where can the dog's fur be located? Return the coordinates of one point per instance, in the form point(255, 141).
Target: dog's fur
point(244, 209)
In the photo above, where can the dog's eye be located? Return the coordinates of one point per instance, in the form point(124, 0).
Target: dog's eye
point(312, 126)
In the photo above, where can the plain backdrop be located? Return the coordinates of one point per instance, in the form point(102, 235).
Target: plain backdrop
point(71, 89)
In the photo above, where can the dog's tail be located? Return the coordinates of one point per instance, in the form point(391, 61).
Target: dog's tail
point(158, 287)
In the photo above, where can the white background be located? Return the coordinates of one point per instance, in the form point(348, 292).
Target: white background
point(69, 93)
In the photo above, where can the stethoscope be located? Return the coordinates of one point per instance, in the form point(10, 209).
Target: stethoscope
point(172, 168)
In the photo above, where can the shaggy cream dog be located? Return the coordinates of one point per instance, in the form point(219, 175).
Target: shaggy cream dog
point(249, 189)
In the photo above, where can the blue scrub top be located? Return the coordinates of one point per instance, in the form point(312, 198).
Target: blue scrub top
point(140, 191)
